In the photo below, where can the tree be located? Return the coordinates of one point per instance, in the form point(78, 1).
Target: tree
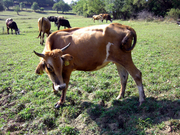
point(17, 9)
point(1, 5)
point(89, 7)
point(8, 3)
point(56, 7)
point(34, 6)
point(61, 6)
point(22, 5)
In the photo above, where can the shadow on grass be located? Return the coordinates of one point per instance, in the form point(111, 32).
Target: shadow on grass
point(126, 117)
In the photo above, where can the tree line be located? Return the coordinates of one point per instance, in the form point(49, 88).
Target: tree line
point(125, 9)
point(119, 9)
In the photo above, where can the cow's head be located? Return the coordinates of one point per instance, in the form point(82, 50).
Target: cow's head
point(17, 31)
point(52, 63)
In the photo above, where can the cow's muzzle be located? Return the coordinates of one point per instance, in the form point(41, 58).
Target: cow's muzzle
point(59, 87)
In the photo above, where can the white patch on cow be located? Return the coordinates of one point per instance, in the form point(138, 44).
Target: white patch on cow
point(107, 51)
point(105, 62)
point(56, 87)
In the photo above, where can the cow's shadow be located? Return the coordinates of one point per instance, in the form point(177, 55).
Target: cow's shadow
point(126, 117)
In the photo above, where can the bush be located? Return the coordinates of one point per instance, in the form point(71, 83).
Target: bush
point(41, 9)
point(145, 15)
point(174, 13)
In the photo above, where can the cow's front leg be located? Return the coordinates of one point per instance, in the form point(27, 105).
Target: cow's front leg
point(11, 31)
point(62, 99)
point(7, 30)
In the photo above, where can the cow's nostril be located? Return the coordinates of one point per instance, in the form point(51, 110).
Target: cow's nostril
point(62, 86)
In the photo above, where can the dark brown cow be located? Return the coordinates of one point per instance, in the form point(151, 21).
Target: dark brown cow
point(106, 17)
point(44, 26)
point(62, 22)
point(12, 25)
point(91, 49)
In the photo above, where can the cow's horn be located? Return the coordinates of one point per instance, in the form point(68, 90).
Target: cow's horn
point(64, 48)
point(39, 54)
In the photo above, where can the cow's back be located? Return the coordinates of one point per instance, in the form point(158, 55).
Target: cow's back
point(89, 43)
point(44, 24)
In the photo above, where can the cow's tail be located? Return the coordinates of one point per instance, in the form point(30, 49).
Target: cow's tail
point(129, 36)
point(41, 27)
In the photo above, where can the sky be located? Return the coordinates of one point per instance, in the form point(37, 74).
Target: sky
point(68, 1)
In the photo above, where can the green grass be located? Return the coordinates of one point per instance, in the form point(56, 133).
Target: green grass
point(27, 100)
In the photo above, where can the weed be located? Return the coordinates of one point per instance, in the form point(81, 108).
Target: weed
point(67, 130)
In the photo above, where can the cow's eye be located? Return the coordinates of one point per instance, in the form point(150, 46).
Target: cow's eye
point(49, 68)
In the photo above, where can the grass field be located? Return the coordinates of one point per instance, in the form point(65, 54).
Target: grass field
point(27, 100)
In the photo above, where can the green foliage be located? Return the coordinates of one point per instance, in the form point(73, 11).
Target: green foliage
point(174, 13)
point(67, 130)
point(35, 6)
point(89, 7)
point(41, 9)
point(17, 9)
point(61, 6)
point(22, 5)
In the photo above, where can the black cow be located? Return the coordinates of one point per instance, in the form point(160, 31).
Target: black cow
point(53, 19)
point(178, 22)
point(63, 22)
point(12, 25)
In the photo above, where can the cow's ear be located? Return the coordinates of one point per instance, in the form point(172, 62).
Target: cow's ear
point(67, 58)
point(40, 68)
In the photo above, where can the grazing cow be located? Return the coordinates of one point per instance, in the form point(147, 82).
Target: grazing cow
point(107, 17)
point(52, 19)
point(12, 25)
point(97, 17)
point(91, 48)
point(62, 17)
point(44, 26)
point(63, 22)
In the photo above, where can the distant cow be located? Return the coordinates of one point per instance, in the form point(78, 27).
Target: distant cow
point(44, 26)
point(63, 22)
point(89, 49)
point(106, 17)
point(52, 19)
point(12, 25)
point(178, 22)
point(97, 17)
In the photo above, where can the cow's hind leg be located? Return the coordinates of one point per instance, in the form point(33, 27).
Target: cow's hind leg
point(137, 76)
point(124, 76)
point(128, 64)
point(11, 31)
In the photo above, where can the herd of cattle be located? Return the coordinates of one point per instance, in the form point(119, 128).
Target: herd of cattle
point(85, 49)
point(44, 24)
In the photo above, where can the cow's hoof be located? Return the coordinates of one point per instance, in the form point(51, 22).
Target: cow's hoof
point(55, 92)
point(57, 106)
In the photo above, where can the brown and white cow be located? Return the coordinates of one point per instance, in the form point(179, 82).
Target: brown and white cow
point(97, 17)
point(91, 48)
point(10, 24)
point(44, 26)
point(106, 17)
